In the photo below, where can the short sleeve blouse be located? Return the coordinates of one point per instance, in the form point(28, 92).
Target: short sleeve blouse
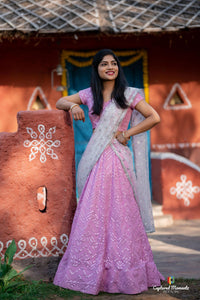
point(87, 99)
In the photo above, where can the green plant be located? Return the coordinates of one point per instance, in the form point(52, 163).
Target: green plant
point(8, 274)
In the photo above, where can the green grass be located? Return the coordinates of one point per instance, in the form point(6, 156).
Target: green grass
point(35, 290)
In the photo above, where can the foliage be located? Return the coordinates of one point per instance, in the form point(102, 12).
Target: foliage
point(36, 290)
point(8, 275)
point(13, 286)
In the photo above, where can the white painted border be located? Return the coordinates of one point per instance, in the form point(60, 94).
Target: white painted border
point(176, 145)
point(179, 158)
point(38, 90)
point(44, 251)
point(177, 87)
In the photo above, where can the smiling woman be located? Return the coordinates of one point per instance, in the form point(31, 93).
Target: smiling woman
point(108, 248)
point(108, 68)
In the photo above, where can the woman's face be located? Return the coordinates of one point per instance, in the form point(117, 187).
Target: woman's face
point(108, 68)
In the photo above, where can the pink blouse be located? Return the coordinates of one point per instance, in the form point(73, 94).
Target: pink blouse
point(87, 99)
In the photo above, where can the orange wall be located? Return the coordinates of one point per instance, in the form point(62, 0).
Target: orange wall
point(24, 169)
point(22, 70)
point(173, 58)
point(167, 67)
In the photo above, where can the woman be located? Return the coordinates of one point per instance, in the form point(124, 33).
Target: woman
point(108, 248)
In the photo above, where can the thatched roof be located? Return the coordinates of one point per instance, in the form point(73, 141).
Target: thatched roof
point(57, 16)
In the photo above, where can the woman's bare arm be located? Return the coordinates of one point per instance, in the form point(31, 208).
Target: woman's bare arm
point(65, 103)
point(151, 119)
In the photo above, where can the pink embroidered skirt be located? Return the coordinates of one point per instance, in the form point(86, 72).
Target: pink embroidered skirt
point(108, 248)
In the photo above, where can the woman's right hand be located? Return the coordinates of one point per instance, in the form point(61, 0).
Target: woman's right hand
point(72, 103)
point(78, 113)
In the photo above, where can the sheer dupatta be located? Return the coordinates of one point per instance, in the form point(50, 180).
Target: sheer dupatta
point(104, 136)
point(141, 160)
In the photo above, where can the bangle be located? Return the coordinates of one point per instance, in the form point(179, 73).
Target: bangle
point(72, 106)
point(125, 137)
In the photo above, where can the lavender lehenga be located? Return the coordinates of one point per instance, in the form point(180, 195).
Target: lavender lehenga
point(108, 249)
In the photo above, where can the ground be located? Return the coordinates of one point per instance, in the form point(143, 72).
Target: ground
point(43, 290)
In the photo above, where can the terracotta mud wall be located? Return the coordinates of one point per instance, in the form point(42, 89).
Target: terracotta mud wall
point(176, 185)
point(37, 184)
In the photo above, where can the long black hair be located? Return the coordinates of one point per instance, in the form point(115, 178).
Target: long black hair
point(97, 83)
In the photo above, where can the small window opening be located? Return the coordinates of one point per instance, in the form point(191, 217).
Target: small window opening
point(38, 104)
point(176, 100)
point(42, 198)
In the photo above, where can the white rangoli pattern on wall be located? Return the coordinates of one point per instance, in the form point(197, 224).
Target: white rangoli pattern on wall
point(45, 251)
point(184, 190)
point(41, 143)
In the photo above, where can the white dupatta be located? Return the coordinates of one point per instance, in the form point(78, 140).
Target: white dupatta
point(102, 137)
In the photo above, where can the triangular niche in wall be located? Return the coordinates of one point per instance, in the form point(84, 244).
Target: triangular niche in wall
point(177, 99)
point(38, 100)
